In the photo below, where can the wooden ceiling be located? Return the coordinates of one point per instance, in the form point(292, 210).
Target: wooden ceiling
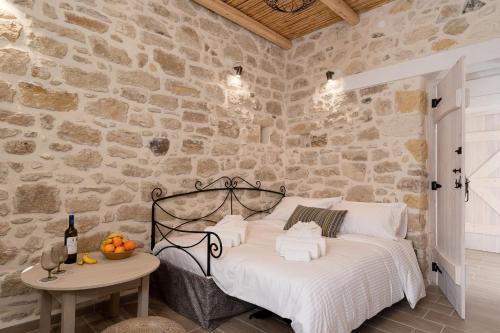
point(296, 25)
point(280, 28)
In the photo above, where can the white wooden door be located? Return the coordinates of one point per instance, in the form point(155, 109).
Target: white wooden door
point(482, 215)
point(449, 249)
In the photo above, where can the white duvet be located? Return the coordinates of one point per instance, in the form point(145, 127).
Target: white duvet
point(357, 278)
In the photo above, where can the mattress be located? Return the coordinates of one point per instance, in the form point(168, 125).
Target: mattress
point(357, 278)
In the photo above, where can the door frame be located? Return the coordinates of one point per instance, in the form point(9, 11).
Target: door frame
point(430, 135)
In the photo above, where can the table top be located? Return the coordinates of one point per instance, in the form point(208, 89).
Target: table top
point(102, 274)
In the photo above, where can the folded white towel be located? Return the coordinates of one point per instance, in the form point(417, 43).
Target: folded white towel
point(242, 232)
point(296, 255)
point(232, 230)
point(231, 219)
point(303, 229)
point(316, 243)
point(312, 249)
point(302, 240)
point(228, 238)
point(234, 223)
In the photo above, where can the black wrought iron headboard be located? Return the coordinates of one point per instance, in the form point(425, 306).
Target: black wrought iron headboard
point(227, 185)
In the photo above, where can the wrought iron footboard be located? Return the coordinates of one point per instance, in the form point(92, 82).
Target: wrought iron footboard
point(229, 186)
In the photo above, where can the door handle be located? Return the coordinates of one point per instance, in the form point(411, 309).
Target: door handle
point(458, 183)
point(467, 182)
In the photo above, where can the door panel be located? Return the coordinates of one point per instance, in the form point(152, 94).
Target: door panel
point(482, 215)
point(449, 250)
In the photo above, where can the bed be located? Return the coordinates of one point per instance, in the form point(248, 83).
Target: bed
point(358, 277)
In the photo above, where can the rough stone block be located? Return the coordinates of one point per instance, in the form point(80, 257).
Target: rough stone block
point(36, 198)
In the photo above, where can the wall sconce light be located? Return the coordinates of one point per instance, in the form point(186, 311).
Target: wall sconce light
point(329, 75)
point(235, 80)
point(238, 70)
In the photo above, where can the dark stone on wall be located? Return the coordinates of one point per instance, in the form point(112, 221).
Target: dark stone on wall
point(159, 146)
point(472, 5)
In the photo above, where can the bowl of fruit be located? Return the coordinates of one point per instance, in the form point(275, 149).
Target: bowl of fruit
point(116, 247)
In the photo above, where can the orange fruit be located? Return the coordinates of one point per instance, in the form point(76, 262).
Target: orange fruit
point(108, 248)
point(120, 249)
point(129, 245)
point(117, 241)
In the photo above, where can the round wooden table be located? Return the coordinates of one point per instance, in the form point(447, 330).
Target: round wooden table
point(91, 281)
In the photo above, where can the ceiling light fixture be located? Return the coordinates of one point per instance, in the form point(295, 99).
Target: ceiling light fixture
point(289, 6)
point(238, 70)
point(329, 75)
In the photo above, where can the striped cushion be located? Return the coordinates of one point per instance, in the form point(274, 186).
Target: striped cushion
point(329, 220)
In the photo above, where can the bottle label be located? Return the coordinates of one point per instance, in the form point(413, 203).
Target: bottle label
point(71, 244)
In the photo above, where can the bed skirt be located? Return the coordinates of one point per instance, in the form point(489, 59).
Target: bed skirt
point(195, 297)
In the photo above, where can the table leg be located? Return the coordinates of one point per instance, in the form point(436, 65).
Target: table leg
point(114, 304)
point(45, 311)
point(143, 298)
point(68, 312)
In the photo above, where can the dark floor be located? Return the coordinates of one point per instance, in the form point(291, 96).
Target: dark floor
point(432, 314)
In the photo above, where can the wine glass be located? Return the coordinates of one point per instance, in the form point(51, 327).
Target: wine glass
point(59, 255)
point(48, 264)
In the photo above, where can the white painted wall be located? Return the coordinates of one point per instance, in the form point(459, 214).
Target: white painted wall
point(482, 216)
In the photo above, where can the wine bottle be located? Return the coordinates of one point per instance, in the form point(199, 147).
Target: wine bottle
point(70, 240)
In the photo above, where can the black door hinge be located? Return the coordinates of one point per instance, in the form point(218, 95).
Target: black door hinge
point(435, 102)
point(435, 268)
point(435, 186)
point(459, 151)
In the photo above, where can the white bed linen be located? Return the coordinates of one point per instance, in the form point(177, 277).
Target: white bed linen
point(358, 277)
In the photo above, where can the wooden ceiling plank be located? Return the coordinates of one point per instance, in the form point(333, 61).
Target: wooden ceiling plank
point(296, 25)
point(238, 17)
point(343, 10)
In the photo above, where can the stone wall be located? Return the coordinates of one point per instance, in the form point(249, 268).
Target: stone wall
point(366, 145)
point(369, 144)
point(101, 101)
point(393, 33)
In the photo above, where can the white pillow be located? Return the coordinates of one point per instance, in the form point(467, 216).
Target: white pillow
point(384, 220)
point(286, 207)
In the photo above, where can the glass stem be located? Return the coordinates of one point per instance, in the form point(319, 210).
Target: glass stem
point(50, 273)
point(59, 267)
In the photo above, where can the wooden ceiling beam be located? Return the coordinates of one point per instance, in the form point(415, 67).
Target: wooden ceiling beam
point(343, 10)
point(238, 17)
